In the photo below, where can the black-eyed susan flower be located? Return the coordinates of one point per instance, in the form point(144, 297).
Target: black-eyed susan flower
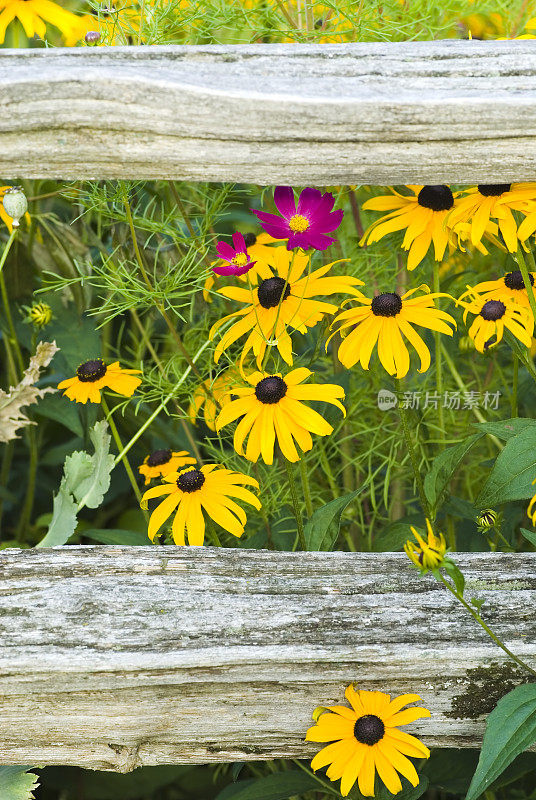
point(34, 16)
point(161, 462)
point(280, 297)
point(494, 201)
point(271, 409)
point(493, 315)
point(510, 287)
point(211, 395)
point(423, 215)
point(366, 739)
point(191, 493)
point(304, 224)
point(429, 554)
point(94, 375)
point(386, 320)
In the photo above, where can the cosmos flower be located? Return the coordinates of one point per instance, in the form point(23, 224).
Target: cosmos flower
point(191, 493)
point(305, 224)
point(280, 297)
point(366, 739)
point(509, 287)
point(34, 16)
point(271, 409)
point(493, 315)
point(386, 319)
point(494, 201)
point(161, 462)
point(258, 247)
point(423, 215)
point(237, 260)
point(94, 375)
point(428, 554)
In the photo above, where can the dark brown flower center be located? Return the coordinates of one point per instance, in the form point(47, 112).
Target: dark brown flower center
point(250, 239)
point(388, 304)
point(191, 481)
point(369, 729)
point(159, 457)
point(270, 292)
point(493, 310)
point(438, 198)
point(493, 189)
point(514, 280)
point(91, 371)
point(270, 390)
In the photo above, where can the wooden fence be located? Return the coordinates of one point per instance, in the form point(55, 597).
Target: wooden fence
point(112, 657)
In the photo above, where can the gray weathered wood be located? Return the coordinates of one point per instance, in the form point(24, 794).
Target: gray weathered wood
point(381, 113)
point(114, 657)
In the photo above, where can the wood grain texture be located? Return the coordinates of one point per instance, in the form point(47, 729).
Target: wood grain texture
point(112, 658)
point(381, 113)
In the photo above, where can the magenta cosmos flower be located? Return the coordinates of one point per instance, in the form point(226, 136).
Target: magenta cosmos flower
point(306, 224)
point(237, 259)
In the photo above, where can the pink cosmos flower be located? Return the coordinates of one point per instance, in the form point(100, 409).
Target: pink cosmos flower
point(237, 258)
point(306, 224)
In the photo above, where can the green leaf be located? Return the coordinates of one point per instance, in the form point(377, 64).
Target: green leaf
point(510, 729)
point(530, 536)
point(322, 529)
point(451, 769)
point(63, 522)
point(279, 786)
point(443, 468)
point(54, 407)
point(408, 792)
point(507, 428)
point(513, 472)
point(16, 783)
point(454, 573)
point(117, 536)
point(88, 477)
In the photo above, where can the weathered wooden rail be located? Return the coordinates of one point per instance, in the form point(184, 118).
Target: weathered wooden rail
point(411, 112)
point(113, 658)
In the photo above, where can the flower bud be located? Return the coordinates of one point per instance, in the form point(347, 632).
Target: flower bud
point(466, 344)
point(40, 314)
point(92, 37)
point(486, 519)
point(15, 204)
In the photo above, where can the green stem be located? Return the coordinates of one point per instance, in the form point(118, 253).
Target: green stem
point(121, 449)
point(26, 512)
point(7, 248)
point(305, 487)
point(159, 306)
point(296, 505)
point(514, 387)
point(414, 462)
point(160, 408)
point(526, 280)
point(12, 333)
point(439, 366)
point(483, 625)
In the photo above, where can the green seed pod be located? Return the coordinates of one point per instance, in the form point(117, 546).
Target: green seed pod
point(15, 204)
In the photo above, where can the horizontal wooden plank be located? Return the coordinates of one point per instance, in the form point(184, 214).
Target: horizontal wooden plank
point(381, 113)
point(112, 658)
